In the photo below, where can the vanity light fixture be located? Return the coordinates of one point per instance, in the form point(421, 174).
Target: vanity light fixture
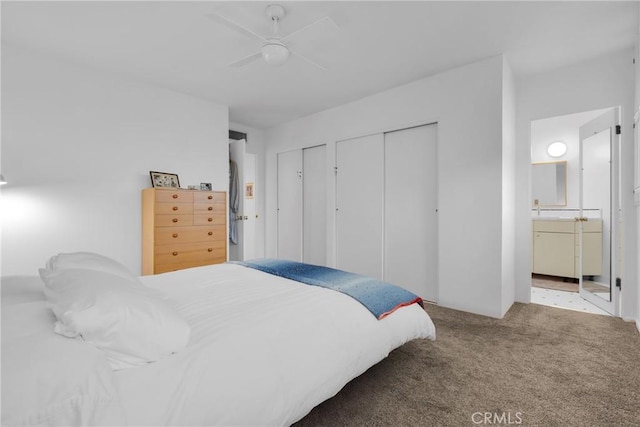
point(557, 149)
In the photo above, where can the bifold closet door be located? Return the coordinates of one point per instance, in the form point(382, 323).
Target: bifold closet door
point(410, 210)
point(290, 205)
point(302, 205)
point(359, 204)
point(314, 190)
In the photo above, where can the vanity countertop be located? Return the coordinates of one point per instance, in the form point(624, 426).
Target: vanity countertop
point(551, 218)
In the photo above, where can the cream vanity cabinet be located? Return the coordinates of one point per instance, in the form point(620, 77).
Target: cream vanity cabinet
point(556, 247)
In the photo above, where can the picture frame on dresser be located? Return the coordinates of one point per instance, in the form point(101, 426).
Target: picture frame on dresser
point(164, 180)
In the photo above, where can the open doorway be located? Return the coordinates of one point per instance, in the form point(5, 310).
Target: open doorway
point(575, 210)
point(242, 203)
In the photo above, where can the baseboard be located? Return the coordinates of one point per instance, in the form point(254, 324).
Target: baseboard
point(631, 319)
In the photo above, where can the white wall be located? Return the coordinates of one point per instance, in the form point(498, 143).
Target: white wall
point(636, 259)
point(467, 104)
point(77, 148)
point(508, 186)
point(564, 128)
point(255, 145)
point(599, 83)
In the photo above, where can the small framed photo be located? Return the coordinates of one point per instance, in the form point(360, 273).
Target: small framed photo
point(205, 186)
point(164, 180)
point(248, 190)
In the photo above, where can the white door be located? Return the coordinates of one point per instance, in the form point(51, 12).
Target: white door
point(290, 205)
point(410, 210)
point(599, 190)
point(249, 208)
point(314, 195)
point(360, 205)
point(244, 245)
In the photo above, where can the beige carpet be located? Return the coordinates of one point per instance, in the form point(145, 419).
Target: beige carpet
point(543, 366)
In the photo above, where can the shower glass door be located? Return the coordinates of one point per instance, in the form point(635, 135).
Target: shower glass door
point(597, 220)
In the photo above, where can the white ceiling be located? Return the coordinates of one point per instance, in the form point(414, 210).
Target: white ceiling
point(378, 45)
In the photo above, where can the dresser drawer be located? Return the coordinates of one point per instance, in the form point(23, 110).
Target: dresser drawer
point(215, 259)
point(188, 252)
point(208, 219)
point(170, 235)
point(210, 197)
point(173, 220)
point(178, 196)
point(204, 208)
point(174, 208)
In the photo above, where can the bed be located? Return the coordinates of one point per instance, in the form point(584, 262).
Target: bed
point(261, 350)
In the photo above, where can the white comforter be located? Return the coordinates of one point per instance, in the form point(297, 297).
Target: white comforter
point(264, 350)
point(47, 379)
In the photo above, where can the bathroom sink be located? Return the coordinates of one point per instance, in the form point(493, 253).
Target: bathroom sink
point(551, 218)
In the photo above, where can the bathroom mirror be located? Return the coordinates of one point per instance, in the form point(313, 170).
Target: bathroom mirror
point(549, 184)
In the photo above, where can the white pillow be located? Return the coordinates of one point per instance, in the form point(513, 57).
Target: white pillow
point(131, 323)
point(89, 261)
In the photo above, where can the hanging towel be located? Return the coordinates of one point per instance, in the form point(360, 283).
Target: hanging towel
point(234, 202)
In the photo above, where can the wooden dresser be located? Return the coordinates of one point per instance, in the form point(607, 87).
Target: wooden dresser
point(182, 229)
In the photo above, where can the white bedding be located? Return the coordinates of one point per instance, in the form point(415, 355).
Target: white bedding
point(263, 351)
point(47, 379)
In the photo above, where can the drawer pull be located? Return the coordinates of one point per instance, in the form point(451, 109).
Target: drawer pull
point(210, 208)
point(175, 220)
point(209, 219)
point(175, 196)
point(210, 197)
point(175, 208)
point(209, 249)
point(174, 253)
point(175, 235)
point(210, 233)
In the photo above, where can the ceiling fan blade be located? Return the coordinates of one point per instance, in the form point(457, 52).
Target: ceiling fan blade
point(234, 26)
point(247, 59)
point(326, 20)
point(315, 64)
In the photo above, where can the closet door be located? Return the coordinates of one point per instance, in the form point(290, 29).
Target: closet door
point(314, 195)
point(410, 210)
point(359, 205)
point(290, 205)
point(245, 217)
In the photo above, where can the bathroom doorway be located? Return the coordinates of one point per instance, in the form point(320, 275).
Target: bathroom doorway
point(575, 211)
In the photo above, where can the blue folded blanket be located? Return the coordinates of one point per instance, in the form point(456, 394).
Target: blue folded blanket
point(380, 298)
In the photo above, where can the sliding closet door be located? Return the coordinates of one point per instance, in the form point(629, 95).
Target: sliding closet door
point(290, 205)
point(359, 205)
point(410, 210)
point(314, 192)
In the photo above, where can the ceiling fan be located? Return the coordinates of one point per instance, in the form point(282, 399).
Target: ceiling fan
point(273, 51)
